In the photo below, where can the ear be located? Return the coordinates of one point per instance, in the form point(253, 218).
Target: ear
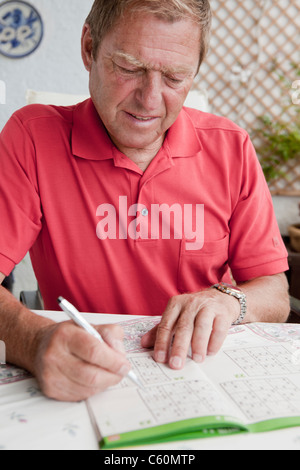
point(87, 47)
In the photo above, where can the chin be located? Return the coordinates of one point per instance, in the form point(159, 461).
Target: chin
point(136, 143)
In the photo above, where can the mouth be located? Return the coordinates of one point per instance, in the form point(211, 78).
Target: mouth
point(142, 118)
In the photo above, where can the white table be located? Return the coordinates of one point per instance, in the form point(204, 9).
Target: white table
point(30, 421)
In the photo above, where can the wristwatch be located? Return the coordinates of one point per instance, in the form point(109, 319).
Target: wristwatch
point(238, 294)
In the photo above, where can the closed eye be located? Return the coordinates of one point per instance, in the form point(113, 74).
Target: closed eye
point(175, 82)
point(126, 71)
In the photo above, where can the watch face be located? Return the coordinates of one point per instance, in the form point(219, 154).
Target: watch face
point(21, 29)
point(229, 286)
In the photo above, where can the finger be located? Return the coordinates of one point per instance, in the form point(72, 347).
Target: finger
point(113, 335)
point(75, 380)
point(87, 378)
point(182, 338)
point(90, 350)
point(219, 333)
point(69, 366)
point(148, 340)
point(202, 333)
point(165, 331)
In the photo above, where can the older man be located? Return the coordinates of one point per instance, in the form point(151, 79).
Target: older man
point(130, 203)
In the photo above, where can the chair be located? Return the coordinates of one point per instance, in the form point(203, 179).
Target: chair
point(198, 99)
point(57, 99)
point(295, 311)
point(32, 300)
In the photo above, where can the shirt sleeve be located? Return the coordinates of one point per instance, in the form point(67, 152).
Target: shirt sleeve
point(256, 246)
point(20, 209)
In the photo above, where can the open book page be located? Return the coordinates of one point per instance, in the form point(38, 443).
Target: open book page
point(255, 378)
point(259, 370)
point(169, 397)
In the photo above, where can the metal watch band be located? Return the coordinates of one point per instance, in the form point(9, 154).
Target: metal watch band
point(238, 294)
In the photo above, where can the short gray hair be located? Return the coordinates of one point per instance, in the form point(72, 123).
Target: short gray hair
point(105, 14)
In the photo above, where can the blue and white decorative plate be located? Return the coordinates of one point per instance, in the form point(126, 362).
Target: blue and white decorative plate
point(21, 29)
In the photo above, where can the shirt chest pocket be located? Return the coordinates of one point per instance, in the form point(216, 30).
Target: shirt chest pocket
point(200, 269)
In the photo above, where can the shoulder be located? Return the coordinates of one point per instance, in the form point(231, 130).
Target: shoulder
point(208, 122)
point(33, 115)
point(34, 130)
point(225, 142)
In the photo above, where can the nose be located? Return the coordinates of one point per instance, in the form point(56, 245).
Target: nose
point(149, 93)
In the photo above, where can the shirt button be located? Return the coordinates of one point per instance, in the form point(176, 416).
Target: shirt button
point(145, 212)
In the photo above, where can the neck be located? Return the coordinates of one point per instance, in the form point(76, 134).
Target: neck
point(142, 157)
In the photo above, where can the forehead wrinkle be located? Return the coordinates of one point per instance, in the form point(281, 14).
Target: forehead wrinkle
point(130, 59)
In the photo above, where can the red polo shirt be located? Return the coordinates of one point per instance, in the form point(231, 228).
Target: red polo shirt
point(111, 238)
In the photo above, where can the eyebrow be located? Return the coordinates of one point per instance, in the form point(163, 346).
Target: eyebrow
point(131, 60)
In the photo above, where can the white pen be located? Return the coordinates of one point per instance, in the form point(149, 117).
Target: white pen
point(73, 313)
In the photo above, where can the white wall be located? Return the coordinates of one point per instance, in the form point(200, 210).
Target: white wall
point(56, 65)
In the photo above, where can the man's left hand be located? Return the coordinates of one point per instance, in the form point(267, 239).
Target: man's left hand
point(200, 320)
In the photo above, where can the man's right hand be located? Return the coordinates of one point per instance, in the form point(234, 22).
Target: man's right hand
point(69, 364)
point(72, 365)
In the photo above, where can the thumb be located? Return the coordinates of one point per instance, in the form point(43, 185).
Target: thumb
point(148, 340)
point(113, 335)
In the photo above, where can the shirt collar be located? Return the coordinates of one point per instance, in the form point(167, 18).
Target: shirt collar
point(182, 137)
point(89, 137)
point(91, 141)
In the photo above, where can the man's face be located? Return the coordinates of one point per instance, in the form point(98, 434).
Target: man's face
point(141, 77)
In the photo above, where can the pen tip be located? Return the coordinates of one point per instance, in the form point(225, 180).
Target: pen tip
point(60, 299)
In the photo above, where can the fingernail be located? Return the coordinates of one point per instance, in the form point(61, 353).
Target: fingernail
point(161, 356)
point(176, 362)
point(125, 369)
point(211, 354)
point(198, 358)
